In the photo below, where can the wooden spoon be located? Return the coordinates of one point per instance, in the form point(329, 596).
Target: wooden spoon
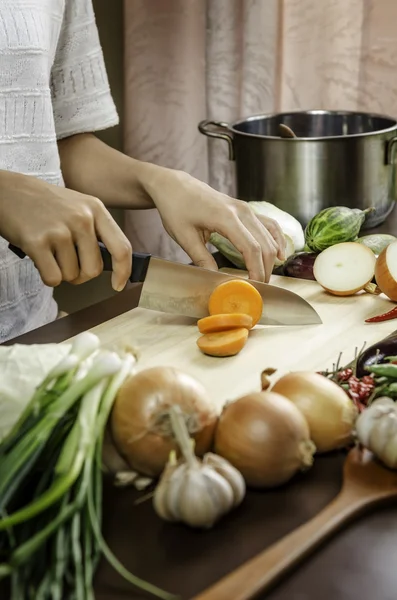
point(285, 131)
point(365, 484)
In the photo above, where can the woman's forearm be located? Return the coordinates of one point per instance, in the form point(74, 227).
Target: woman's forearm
point(91, 167)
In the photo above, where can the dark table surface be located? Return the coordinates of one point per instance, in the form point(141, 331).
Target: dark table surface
point(358, 564)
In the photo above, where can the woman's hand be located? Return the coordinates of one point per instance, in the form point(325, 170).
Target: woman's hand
point(58, 229)
point(191, 210)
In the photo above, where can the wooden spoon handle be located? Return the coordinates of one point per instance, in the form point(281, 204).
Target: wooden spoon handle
point(264, 570)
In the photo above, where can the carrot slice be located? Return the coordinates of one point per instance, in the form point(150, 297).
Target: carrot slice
point(236, 296)
point(223, 343)
point(216, 323)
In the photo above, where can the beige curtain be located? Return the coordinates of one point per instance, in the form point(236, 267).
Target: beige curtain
point(187, 60)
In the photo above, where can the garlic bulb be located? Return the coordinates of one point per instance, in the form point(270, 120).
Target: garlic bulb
point(196, 492)
point(376, 429)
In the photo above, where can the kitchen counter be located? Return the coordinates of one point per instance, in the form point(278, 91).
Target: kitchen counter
point(358, 564)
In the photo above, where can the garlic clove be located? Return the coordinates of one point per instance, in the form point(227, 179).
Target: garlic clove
point(175, 488)
point(364, 426)
point(376, 429)
point(204, 497)
point(161, 503)
point(383, 439)
point(230, 473)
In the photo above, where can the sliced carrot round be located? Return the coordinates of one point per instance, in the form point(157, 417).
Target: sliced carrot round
point(223, 343)
point(215, 323)
point(236, 296)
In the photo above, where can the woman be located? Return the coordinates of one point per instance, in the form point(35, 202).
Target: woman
point(57, 179)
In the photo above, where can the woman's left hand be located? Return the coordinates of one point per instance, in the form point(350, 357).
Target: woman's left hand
point(191, 210)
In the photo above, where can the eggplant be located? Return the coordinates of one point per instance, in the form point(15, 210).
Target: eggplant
point(376, 354)
point(300, 265)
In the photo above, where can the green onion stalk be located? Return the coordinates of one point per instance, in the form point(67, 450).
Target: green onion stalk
point(51, 480)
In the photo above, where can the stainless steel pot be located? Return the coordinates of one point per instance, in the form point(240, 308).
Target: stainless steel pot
point(337, 159)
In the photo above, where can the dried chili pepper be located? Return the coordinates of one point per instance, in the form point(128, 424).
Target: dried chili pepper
point(391, 314)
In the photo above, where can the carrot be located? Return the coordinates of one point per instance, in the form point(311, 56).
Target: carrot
point(236, 296)
point(216, 323)
point(223, 343)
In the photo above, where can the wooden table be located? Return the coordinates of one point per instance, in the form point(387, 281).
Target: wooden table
point(359, 564)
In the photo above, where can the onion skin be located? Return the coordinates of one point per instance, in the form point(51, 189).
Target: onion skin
point(331, 424)
point(384, 278)
point(140, 423)
point(348, 292)
point(265, 437)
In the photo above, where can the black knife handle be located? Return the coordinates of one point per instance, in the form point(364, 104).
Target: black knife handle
point(140, 261)
point(17, 250)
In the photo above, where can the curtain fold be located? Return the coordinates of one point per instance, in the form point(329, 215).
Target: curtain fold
point(188, 60)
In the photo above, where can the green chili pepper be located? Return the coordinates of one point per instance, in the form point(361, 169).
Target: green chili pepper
point(384, 370)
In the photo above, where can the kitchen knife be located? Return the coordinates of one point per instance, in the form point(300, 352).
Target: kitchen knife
point(182, 289)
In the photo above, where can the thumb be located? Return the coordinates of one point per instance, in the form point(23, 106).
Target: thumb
point(195, 247)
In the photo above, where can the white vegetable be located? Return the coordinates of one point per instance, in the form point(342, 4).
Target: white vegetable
point(344, 269)
point(22, 369)
point(289, 225)
point(376, 429)
point(231, 253)
point(292, 229)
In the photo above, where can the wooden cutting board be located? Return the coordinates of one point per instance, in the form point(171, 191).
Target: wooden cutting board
point(163, 339)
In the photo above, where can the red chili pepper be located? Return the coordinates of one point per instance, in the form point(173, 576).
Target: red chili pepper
point(392, 314)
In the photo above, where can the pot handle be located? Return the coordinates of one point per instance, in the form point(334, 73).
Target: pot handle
point(205, 127)
point(390, 151)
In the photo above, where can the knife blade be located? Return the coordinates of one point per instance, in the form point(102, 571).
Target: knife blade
point(184, 290)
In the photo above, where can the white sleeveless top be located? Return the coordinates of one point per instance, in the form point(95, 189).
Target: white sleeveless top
point(53, 84)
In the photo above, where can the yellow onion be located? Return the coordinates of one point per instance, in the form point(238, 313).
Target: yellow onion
point(329, 411)
point(386, 271)
point(265, 437)
point(140, 420)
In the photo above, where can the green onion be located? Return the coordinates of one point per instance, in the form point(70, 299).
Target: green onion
point(51, 480)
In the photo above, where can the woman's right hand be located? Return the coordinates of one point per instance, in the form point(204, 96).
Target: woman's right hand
point(59, 230)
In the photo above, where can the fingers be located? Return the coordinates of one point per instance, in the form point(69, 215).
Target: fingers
point(195, 247)
point(91, 264)
point(72, 253)
point(118, 245)
point(267, 243)
point(66, 257)
point(277, 233)
point(239, 235)
point(46, 264)
point(259, 239)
